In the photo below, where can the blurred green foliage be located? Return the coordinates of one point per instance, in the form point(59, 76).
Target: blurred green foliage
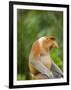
point(31, 25)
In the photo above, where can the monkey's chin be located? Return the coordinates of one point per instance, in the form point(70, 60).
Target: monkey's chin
point(50, 47)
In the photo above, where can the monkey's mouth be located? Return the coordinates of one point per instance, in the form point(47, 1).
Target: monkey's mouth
point(50, 47)
point(54, 46)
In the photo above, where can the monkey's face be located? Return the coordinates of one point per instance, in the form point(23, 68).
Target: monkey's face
point(49, 43)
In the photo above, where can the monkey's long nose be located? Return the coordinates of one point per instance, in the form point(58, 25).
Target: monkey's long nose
point(55, 45)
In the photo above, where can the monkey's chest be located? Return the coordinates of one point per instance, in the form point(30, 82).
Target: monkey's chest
point(46, 60)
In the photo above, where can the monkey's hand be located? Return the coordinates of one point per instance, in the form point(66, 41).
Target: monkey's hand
point(42, 69)
point(56, 70)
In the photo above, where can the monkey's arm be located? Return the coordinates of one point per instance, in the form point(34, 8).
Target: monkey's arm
point(56, 70)
point(42, 69)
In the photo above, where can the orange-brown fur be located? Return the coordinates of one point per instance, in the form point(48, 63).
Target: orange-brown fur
point(48, 43)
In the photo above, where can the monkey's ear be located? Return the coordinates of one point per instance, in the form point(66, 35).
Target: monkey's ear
point(50, 37)
point(36, 49)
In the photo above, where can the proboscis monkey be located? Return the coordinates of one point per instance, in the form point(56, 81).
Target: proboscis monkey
point(41, 64)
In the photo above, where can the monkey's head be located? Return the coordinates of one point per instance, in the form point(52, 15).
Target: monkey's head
point(43, 44)
point(48, 42)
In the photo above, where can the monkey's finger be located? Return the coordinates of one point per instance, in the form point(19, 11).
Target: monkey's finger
point(56, 70)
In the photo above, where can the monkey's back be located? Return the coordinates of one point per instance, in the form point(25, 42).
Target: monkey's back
point(31, 67)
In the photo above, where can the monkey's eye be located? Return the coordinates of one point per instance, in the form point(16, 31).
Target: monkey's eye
point(51, 37)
